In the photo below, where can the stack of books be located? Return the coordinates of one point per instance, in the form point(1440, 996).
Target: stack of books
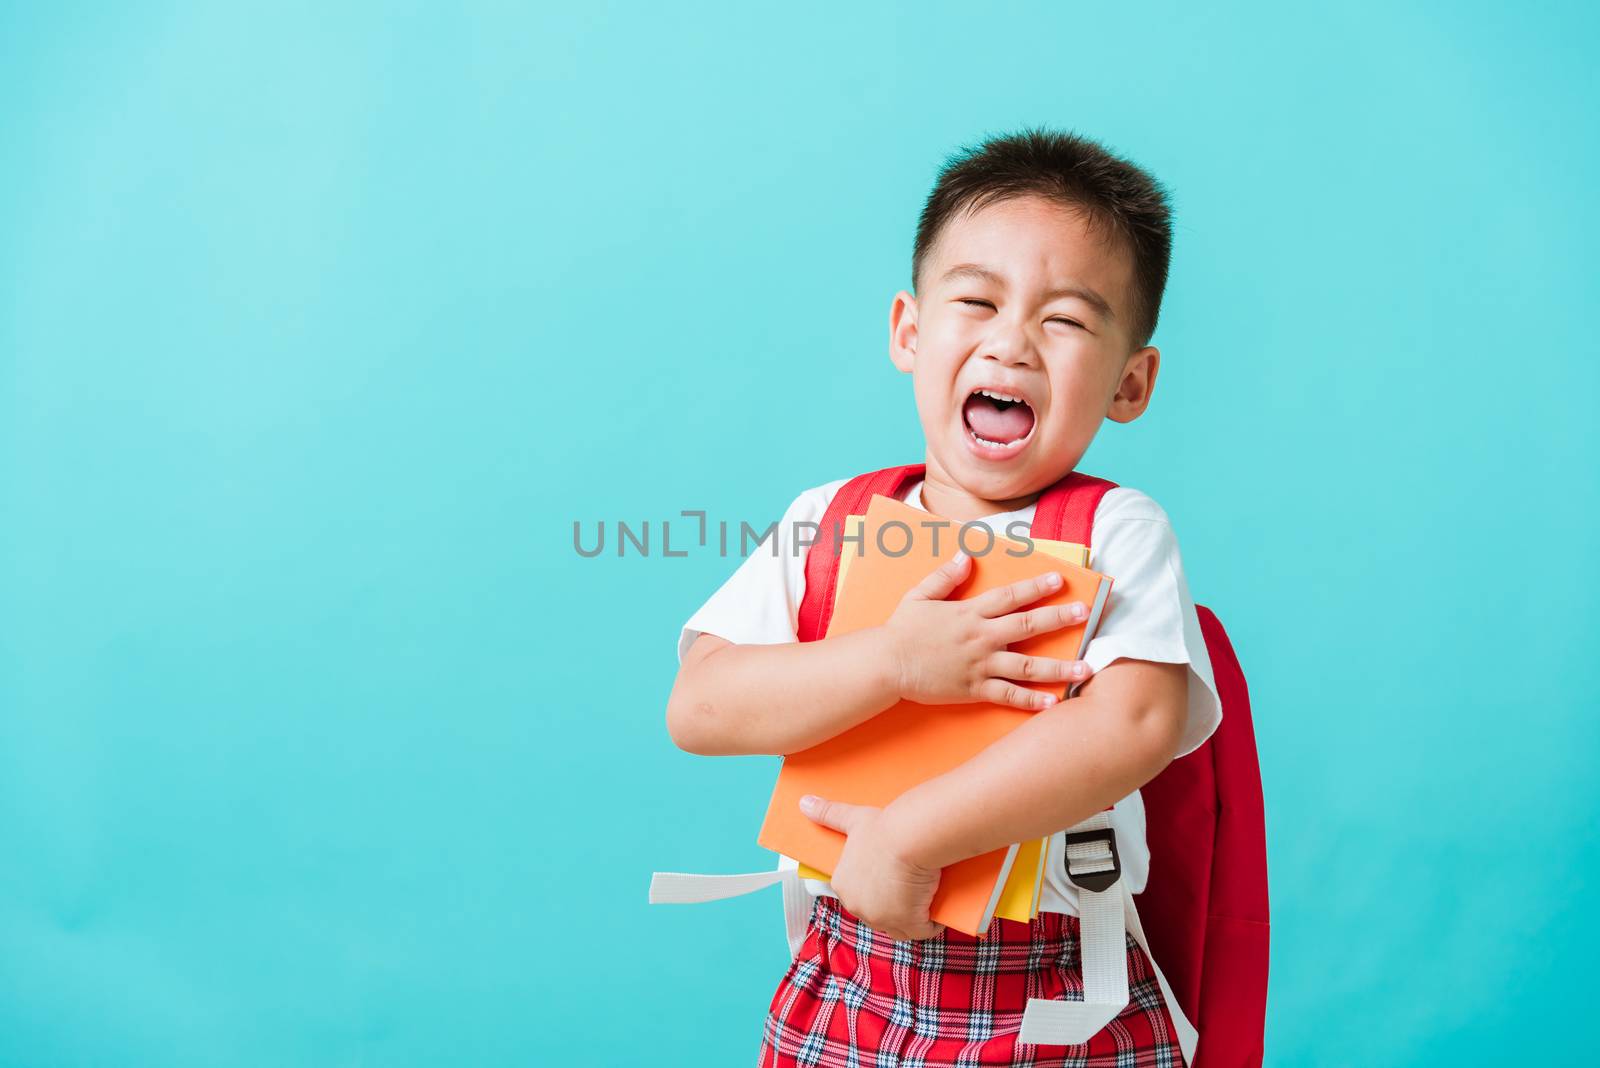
point(909, 743)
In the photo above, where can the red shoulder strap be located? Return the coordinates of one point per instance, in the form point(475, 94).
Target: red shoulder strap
point(1066, 510)
point(822, 559)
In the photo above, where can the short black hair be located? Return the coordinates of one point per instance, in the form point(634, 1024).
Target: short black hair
point(1116, 196)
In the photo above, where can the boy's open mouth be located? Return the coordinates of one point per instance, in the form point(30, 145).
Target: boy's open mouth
point(997, 420)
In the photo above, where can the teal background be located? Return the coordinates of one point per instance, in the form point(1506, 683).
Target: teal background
point(319, 327)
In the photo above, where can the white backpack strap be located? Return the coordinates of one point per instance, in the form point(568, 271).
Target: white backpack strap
point(685, 888)
point(1093, 867)
point(1106, 915)
point(797, 904)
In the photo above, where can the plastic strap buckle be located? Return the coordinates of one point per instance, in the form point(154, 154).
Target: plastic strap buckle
point(1096, 881)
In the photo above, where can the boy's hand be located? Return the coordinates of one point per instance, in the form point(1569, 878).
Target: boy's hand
point(883, 889)
point(951, 652)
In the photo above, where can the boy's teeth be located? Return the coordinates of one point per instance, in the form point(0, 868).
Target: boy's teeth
point(995, 444)
point(999, 396)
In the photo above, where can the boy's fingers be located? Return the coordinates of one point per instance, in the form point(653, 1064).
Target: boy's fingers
point(1004, 692)
point(1007, 599)
point(1020, 625)
point(1009, 665)
point(839, 815)
point(944, 579)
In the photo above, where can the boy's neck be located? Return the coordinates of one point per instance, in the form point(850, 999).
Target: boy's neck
point(944, 498)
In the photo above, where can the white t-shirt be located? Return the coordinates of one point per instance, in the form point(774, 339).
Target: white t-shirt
point(1149, 616)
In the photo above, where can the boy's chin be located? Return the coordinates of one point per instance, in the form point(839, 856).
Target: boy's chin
point(991, 482)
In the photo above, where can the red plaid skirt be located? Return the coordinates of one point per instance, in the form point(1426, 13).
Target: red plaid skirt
point(855, 998)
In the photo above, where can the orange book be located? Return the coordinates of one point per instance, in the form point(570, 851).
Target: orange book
point(909, 743)
point(1020, 896)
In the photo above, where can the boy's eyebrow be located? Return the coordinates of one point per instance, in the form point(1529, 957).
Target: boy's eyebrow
point(984, 274)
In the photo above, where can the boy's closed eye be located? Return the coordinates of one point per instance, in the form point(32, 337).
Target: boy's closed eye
point(975, 301)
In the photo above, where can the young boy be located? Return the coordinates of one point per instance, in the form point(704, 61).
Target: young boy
point(1038, 271)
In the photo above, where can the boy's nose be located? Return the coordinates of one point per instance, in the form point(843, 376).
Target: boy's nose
point(1012, 349)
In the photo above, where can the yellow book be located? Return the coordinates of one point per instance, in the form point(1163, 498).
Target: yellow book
point(1038, 888)
point(1019, 899)
point(1070, 551)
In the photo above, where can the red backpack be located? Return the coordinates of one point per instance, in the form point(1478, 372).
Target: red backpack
point(1204, 908)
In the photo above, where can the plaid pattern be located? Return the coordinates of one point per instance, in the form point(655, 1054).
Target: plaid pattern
point(855, 998)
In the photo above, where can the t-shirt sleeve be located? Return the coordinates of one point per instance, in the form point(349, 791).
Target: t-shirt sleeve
point(1150, 615)
point(759, 604)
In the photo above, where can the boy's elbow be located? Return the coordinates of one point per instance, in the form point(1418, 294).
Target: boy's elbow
point(695, 722)
point(691, 724)
point(680, 728)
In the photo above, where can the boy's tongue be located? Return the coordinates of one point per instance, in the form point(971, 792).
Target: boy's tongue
point(997, 421)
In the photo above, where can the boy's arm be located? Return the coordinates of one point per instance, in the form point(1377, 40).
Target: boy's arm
point(1061, 767)
point(738, 699)
point(782, 698)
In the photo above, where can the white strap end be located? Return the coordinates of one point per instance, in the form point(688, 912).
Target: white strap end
point(684, 888)
point(1064, 1023)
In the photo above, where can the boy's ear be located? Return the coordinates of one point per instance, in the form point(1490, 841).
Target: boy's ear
point(903, 331)
point(1137, 385)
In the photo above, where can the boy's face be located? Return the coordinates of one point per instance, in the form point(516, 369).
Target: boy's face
point(1024, 300)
